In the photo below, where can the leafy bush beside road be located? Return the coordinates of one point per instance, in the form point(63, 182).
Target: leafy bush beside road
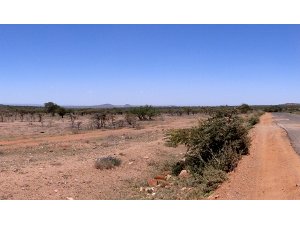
point(213, 147)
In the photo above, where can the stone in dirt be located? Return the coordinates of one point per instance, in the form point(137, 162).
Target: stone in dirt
point(184, 174)
point(169, 177)
point(217, 196)
point(149, 190)
point(160, 177)
point(152, 182)
point(163, 183)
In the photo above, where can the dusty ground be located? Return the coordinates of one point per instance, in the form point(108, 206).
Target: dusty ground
point(49, 162)
point(270, 172)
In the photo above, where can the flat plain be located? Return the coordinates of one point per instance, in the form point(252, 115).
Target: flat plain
point(53, 161)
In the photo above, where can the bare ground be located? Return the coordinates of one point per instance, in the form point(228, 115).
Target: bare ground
point(270, 172)
point(60, 165)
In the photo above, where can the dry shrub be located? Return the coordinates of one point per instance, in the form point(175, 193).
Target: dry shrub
point(131, 119)
point(107, 163)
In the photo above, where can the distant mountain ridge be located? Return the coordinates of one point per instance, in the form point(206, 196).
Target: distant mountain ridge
point(103, 106)
point(291, 104)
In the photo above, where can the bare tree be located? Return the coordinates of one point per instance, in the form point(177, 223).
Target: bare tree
point(99, 120)
point(73, 118)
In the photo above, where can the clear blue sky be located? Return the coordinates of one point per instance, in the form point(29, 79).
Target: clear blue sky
point(150, 64)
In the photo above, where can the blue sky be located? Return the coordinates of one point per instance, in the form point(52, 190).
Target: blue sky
point(149, 64)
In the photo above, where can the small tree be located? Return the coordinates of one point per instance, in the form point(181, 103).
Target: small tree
point(73, 118)
point(244, 108)
point(51, 108)
point(187, 110)
point(144, 112)
point(61, 112)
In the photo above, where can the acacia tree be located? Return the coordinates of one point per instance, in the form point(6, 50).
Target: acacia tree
point(144, 112)
point(51, 108)
point(99, 120)
point(244, 108)
point(61, 111)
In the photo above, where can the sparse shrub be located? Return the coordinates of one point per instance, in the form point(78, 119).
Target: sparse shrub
point(130, 119)
point(253, 120)
point(78, 125)
point(41, 117)
point(244, 108)
point(73, 118)
point(187, 110)
point(99, 120)
point(177, 168)
point(107, 163)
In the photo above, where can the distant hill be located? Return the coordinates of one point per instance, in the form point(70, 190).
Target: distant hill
point(103, 106)
point(291, 104)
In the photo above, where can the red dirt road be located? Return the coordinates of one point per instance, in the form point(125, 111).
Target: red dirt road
point(270, 172)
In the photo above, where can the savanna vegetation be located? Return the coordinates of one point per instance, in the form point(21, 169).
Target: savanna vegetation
point(214, 147)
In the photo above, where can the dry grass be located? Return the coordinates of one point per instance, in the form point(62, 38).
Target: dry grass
point(107, 163)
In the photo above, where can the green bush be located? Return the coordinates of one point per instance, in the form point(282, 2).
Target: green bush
point(144, 112)
point(177, 168)
point(244, 108)
point(212, 178)
point(218, 141)
point(253, 120)
point(175, 137)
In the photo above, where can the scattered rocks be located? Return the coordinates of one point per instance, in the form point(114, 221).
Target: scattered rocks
point(70, 199)
point(56, 191)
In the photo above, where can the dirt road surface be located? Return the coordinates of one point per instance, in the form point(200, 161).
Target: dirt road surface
point(270, 172)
